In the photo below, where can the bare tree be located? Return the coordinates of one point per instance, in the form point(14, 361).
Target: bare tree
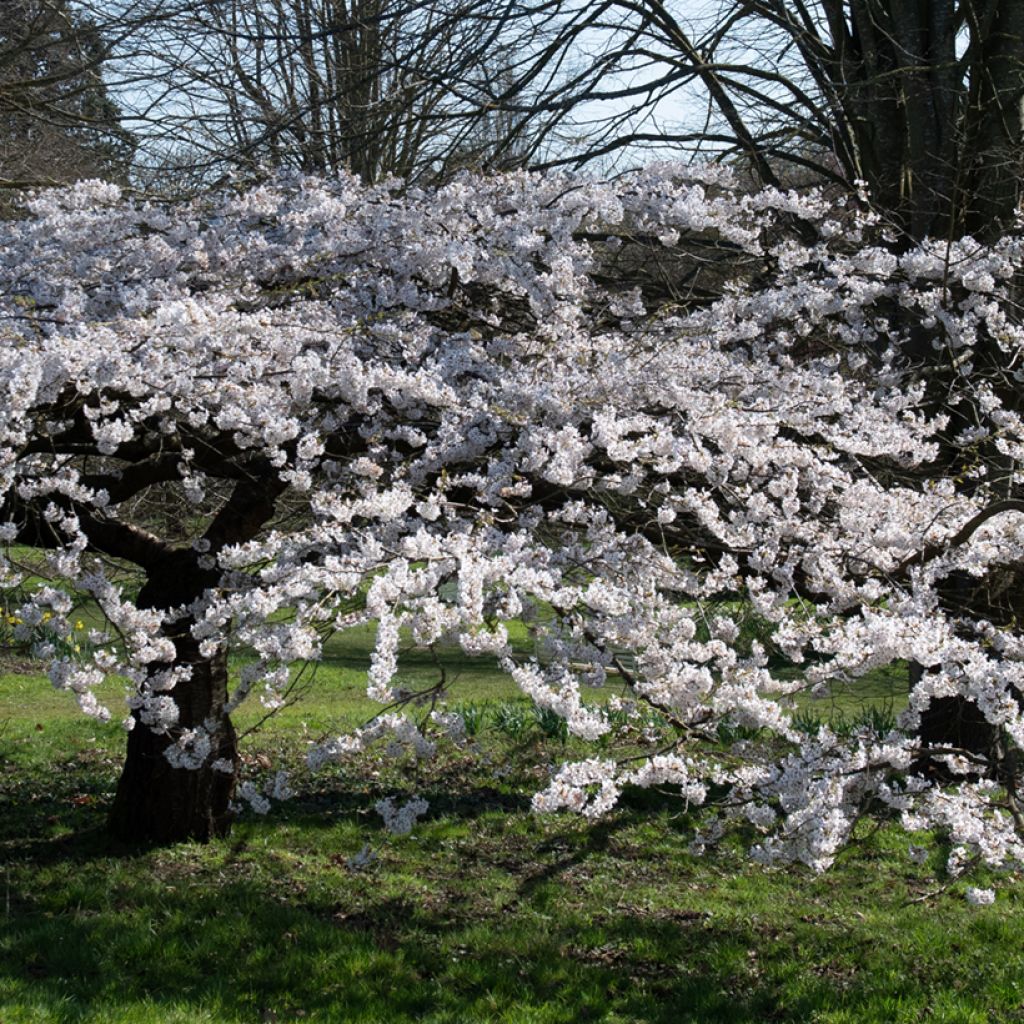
point(921, 99)
point(321, 85)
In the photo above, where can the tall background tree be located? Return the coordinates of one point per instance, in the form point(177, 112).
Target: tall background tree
point(328, 85)
point(58, 121)
point(921, 100)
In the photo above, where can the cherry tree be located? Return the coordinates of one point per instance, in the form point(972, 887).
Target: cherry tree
point(315, 404)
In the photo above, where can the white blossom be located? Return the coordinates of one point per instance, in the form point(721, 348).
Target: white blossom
point(980, 897)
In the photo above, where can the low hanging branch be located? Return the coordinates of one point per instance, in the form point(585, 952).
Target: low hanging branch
point(964, 533)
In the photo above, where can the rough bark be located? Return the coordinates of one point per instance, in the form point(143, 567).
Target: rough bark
point(156, 802)
point(994, 138)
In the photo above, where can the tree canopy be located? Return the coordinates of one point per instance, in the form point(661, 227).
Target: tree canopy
point(254, 420)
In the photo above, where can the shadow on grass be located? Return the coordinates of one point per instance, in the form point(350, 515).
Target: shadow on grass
point(254, 929)
point(67, 821)
point(237, 950)
point(270, 925)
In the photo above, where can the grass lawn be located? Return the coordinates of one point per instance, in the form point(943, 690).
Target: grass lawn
point(485, 913)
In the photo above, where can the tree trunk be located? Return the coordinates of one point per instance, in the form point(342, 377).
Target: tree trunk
point(994, 137)
point(957, 722)
point(155, 801)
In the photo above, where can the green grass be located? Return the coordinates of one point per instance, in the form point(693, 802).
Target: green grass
point(485, 913)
